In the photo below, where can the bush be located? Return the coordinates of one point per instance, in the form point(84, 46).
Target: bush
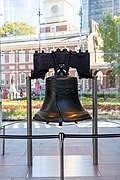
point(16, 114)
point(101, 99)
point(102, 95)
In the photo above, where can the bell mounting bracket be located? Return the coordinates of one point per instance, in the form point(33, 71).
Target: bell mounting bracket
point(61, 61)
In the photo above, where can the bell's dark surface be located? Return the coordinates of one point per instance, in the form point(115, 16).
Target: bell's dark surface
point(61, 102)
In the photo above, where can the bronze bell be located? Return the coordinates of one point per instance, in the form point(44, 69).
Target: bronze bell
point(61, 102)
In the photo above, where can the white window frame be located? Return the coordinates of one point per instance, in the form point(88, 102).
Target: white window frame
point(31, 52)
point(24, 78)
point(30, 66)
point(11, 57)
point(2, 79)
point(22, 56)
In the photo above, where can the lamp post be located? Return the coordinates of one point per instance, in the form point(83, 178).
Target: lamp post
point(16, 70)
point(80, 16)
point(80, 43)
point(39, 14)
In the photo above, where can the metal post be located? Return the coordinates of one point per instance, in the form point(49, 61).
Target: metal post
point(39, 31)
point(3, 147)
point(95, 140)
point(61, 140)
point(29, 122)
point(80, 14)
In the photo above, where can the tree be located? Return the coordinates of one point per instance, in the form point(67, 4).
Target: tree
point(108, 31)
point(16, 28)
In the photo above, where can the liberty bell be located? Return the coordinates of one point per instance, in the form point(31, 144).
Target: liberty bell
point(61, 103)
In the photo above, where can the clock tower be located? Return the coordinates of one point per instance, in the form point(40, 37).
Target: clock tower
point(58, 16)
point(58, 11)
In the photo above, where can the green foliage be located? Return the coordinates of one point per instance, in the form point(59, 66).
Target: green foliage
point(20, 98)
point(38, 98)
point(109, 32)
point(101, 95)
point(16, 28)
point(15, 111)
point(101, 99)
point(16, 114)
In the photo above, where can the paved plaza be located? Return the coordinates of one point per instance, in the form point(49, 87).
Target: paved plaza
point(78, 160)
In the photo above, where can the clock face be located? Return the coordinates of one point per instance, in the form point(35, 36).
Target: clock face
point(54, 9)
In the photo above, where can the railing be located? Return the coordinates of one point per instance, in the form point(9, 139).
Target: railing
point(3, 129)
point(61, 136)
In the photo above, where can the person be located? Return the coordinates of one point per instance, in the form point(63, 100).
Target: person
point(33, 93)
point(4, 94)
point(21, 92)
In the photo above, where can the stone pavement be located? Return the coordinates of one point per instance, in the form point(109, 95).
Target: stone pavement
point(78, 153)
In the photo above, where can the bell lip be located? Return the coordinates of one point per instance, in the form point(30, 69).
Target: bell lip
point(66, 121)
point(61, 119)
point(44, 116)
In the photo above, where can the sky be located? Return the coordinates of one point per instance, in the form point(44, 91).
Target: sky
point(29, 11)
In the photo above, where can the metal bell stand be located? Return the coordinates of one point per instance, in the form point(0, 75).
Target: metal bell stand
point(62, 136)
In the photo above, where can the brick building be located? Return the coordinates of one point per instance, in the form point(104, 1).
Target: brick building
point(57, 31)
point(17, 56)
